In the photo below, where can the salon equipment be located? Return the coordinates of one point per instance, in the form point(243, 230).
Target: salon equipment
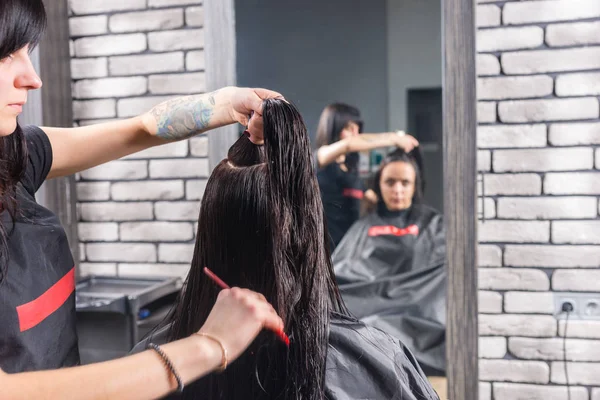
point(114, 313)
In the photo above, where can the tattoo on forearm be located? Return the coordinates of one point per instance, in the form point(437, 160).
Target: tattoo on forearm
point(183, 117)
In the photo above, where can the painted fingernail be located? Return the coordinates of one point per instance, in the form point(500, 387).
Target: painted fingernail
point(247, 134)
point(284, 337)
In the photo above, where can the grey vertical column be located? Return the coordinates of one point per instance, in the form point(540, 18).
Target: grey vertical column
point(220, 53)
point(460, 169)
point(57, 110)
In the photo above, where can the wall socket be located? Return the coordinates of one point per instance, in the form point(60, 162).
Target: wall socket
point(585, 305)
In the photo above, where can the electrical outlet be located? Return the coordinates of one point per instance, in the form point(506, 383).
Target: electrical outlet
point(585, 305)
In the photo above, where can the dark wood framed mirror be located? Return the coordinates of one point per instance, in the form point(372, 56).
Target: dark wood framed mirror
point(459, 161)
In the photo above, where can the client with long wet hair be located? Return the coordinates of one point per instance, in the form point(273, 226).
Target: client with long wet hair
point(261, 223)
point(261, 226)
point(390, 266)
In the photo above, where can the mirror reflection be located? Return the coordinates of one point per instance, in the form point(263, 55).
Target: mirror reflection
point(366, 77)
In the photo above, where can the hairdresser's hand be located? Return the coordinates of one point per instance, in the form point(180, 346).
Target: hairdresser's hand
point(405, 142)
point(238, 317)
point(247, 109)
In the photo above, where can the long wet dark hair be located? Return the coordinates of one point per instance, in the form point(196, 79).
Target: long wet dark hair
point(22, 23)
point(261, 226)
point(413, 158)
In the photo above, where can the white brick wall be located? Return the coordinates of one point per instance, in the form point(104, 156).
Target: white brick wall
point(548, 110)
point(535, 62)
point(147, 64)
point(488, 15)
point(492, 347)
point(489, 256)
point(526, 302)
point(487, 64)
point(572, 34)
point(514, 371)
point(517, 325)
point(137, 215)
point(539, 116)
point(551, 256)
point(574, 134)
point(519, 391)
point(582, 373)
point(513, 279)
point(490, 302)
point(550, 11)
point(499, 88)
point(499, 39)
point(496, 136)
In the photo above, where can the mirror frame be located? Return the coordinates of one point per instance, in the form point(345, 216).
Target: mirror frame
point(460, 195)
point(460, 168)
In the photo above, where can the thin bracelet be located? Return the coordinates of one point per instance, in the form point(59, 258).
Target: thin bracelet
point(223, 350)
point(169, 365)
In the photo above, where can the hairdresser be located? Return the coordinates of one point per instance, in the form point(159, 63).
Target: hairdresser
point(37, 299)
point(339, 141)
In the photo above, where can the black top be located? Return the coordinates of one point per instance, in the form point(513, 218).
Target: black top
point(362, 363)
point(341, 193)
point(391, 274)
point(37, 297)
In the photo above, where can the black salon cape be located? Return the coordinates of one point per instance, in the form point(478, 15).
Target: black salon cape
point(37, 297)
point(362, 363)
point(390, 270)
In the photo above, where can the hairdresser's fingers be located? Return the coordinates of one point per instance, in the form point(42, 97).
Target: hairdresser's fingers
point(255, 127)
point(246, 101)
point(414, 140)
point(238, 317)
point(267, 315)
point(273, 322)
point(263, 94)
point(256, 295)
point(407, 143)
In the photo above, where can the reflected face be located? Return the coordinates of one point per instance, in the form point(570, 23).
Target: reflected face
point(351, 129)
point(17, 77)
point(397, 185)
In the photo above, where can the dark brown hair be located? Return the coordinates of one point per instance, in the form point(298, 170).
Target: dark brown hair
point(333, 120)
point(22, 23)
point(261, 226)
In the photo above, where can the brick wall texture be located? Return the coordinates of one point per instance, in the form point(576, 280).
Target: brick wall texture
point(137, 215)
point(538, 86)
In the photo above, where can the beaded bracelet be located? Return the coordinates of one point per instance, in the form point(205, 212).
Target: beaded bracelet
point(169, 365)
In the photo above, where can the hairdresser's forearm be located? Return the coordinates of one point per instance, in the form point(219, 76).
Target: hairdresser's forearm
point(364, 142)
point(188, 116)
point(141, 376)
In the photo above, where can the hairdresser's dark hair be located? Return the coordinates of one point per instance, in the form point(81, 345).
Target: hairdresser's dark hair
point(22, 23)
point(413, 158)
point(261, 226)
point(333, 120)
